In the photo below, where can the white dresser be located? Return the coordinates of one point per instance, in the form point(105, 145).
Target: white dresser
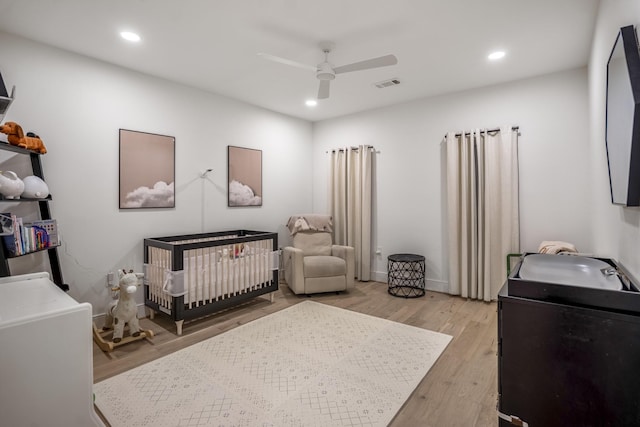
point(46, 355)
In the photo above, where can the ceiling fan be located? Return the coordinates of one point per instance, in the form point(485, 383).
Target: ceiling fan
point(325, 72)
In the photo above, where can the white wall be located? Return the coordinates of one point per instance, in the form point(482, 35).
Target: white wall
point(77, 105)
point(555, 185)
point(616, 229)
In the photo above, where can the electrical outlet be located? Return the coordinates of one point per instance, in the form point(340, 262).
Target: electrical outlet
point(111, 279)
point(378, 250)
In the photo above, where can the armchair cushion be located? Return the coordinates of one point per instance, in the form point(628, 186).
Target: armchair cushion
point(324, 266)
point(313, 243)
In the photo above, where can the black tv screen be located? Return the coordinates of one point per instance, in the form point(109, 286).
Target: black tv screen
point(623, 119)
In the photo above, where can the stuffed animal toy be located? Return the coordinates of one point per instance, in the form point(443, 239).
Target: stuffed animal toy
point(16, 137)
point(238, 250)
point(124, 310)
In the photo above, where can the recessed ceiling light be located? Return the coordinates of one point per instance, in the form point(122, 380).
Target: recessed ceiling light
point(311, 102)
point(129, 36)
point(496, 55)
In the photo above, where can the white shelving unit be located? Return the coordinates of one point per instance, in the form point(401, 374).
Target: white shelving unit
point(5, 102)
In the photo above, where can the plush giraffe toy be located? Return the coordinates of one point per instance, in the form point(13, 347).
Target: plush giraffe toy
point(124, 310)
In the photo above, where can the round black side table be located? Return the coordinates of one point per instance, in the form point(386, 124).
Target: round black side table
point(405, 275)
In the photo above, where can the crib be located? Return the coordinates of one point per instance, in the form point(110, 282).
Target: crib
point(191, 276)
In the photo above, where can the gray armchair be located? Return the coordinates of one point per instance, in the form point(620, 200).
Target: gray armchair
point(313, 264)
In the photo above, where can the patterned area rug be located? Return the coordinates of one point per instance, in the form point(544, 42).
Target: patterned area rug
point(308, 365)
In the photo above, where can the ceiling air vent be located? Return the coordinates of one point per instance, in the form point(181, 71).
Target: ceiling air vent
point(387, 83)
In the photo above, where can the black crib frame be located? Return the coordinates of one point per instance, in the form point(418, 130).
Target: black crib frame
point(179, 310)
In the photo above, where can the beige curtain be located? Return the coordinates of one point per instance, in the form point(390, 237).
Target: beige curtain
point(350, 189)
point(483, 212)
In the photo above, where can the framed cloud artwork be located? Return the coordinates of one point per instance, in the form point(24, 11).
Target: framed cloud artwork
point(245, 176)
point(147, 170)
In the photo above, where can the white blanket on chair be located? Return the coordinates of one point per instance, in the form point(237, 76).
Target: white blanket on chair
point(313, 222)
point(555, 247)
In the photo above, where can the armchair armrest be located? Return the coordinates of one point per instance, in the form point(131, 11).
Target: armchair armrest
point(348, 254)
point(294, 269)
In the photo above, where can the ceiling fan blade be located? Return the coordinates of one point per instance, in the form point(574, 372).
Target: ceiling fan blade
point(381, 61)
point(323, 90)
point(287, 61)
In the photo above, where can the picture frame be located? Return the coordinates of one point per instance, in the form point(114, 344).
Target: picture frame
point(244, 168)
point(147, 170)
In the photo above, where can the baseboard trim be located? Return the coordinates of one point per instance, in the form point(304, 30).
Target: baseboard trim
point(430, 284)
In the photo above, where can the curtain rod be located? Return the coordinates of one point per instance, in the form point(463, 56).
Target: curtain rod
point(371, 147)
point(484, 130)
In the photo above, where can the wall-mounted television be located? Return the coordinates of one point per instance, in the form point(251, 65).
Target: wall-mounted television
point(623, 118)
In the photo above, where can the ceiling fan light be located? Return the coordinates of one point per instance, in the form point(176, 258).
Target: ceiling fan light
point(311, 102)
point(325, 76)
point(325, 72)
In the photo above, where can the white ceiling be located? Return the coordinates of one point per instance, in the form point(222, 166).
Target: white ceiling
point(441, 45)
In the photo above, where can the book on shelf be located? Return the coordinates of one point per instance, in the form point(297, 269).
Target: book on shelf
point(51, 227)
point(23, 237)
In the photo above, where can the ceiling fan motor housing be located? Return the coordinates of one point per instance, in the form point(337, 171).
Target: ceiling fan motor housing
point(325, 72)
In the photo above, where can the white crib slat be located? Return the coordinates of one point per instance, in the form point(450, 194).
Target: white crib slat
point(240, 269)
point(206, 262)
point(240, 275)
point(218, 273)
point(202, 275)
point(246, 272)
point(256, 267)
point(198, 296)
point(153, 283)
point(187, 283)
point(225, 272)
point(198, 275)
point(259, 264)
point(257, 250)
point(213, 271)
point(262, 264)
point(249, 250)
point(265, 257)
point(247, 261)
point(230, 275)
point(236, 275)
point(210, 285)
point(192, 283)
point(193, 279)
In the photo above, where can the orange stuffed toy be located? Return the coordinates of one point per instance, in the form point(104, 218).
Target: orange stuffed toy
point(16, 137)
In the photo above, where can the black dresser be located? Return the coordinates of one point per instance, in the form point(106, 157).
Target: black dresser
point(568, 355)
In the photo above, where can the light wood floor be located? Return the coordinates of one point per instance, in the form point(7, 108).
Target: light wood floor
point(460, 389)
